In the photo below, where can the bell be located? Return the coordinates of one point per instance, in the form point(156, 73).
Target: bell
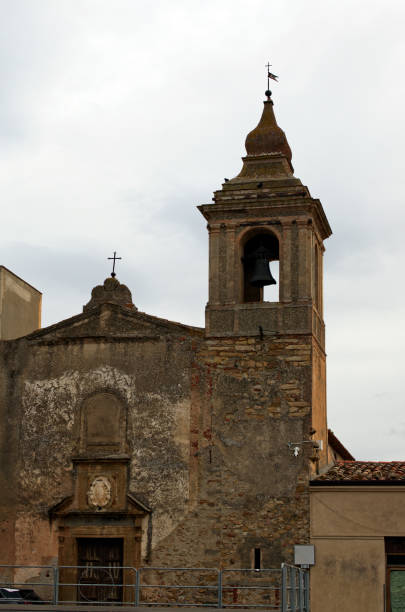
point(261, 274)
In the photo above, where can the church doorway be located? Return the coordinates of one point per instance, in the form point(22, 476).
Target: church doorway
point(100, 562)
point(100, 539)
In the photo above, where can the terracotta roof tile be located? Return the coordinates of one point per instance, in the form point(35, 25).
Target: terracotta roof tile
point(364, 471)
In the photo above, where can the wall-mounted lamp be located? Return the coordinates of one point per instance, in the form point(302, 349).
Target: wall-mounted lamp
point(296, 446)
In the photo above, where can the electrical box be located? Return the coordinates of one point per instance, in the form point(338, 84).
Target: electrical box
point(304, 554)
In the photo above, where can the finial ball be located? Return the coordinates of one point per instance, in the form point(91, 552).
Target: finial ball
point(267, 93)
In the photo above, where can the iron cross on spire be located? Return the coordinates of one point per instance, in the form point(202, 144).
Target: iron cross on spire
point(270, 75)
point(114, 260)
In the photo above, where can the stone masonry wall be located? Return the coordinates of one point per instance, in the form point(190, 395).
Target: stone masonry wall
point(252, 492)
point(207, 432)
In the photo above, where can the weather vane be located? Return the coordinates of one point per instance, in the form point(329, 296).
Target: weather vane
point(270, 75)
point(114, 260)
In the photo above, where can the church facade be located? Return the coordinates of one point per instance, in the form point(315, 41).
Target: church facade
point(139, 441)
point(171, 440)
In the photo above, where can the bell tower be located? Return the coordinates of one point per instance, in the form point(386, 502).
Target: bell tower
point(263, 217)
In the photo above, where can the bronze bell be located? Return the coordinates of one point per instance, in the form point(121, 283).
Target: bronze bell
point(261, 274)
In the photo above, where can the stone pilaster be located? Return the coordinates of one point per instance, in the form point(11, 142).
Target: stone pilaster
point(285, 262)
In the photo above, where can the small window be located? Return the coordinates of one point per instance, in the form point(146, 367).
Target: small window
point(257, 559)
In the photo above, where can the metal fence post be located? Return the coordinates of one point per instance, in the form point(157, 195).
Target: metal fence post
point(137, 584)
point(300, 590)
point(220, 588)
point(284, 578)
point(293, 589)
point(133, 583)
point(306, 592)
point(55, 585)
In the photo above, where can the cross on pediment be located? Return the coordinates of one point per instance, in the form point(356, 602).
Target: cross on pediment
point(114, 258)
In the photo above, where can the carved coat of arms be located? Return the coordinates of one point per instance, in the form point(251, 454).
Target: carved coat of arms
point(99, 493)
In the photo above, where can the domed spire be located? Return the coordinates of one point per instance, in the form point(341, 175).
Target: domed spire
point(268, 152)
point(267, 137)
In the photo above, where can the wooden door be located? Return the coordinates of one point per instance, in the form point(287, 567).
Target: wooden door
point(100, 569)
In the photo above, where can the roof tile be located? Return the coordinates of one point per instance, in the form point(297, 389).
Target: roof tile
point(364, 471)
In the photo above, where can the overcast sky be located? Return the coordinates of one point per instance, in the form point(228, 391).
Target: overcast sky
point(118, 117)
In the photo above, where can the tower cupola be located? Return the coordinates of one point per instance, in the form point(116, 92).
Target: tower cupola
point(267, 137)
point(268, 152)
point(262, 220)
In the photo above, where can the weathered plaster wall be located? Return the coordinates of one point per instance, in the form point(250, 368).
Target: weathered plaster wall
point(41, 404)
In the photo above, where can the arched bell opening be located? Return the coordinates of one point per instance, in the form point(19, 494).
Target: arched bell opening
point(258, 274)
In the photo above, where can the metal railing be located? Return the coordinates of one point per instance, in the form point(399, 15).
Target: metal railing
point(185, 591)
point(283, 590)
point(97, 584)
point(243, 585)
point(295, 583)
point(22, 578)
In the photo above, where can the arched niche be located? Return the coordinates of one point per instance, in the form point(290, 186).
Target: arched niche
point(103, 424)
point(259, 248)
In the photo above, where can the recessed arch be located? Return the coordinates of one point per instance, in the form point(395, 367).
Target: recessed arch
point(103, 423)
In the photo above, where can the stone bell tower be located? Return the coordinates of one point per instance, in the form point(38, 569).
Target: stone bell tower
point(266, 215)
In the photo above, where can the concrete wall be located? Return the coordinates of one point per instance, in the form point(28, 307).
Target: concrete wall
point(20, 306)
point(348, 526)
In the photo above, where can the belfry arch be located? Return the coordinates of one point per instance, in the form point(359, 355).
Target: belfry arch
point(258, 248)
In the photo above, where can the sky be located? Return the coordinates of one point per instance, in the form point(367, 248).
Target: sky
point(118, 118)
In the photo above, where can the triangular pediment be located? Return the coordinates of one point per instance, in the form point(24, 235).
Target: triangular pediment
point(68, 506)
point(112, 321)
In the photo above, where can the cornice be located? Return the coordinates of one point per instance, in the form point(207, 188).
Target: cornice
point(271, 209)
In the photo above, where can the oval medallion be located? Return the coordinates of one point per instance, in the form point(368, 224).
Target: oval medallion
point(99, 493)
